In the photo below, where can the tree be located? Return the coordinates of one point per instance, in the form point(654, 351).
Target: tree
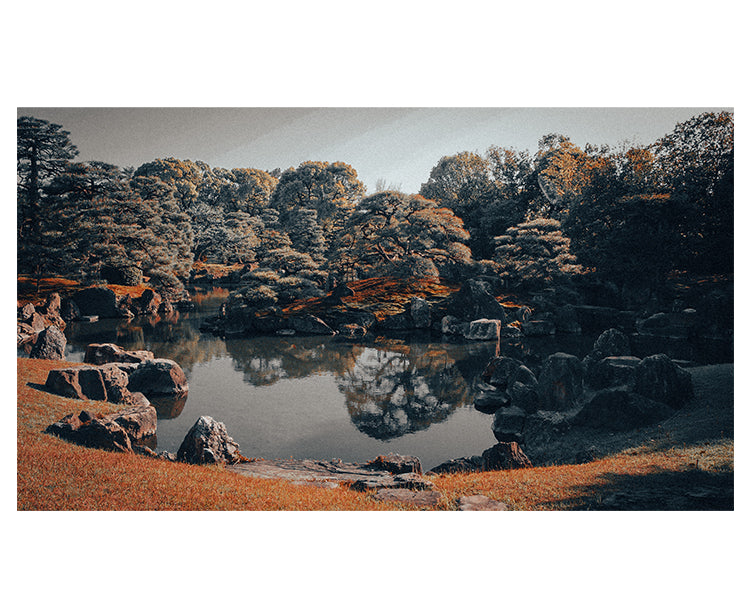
point(247, 190)
point(112, 221)
point(630, 240)
point(44, 150)
point(535, 253)
point(488, 193)
point(183, 176)
point(695, 163)
point(331, 189)
point(392, 232)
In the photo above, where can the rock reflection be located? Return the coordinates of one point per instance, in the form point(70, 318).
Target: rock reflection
point(399, 389)
point(169, 407)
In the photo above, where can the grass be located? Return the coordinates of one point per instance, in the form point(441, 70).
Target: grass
point(26, 288)
point(55, 475)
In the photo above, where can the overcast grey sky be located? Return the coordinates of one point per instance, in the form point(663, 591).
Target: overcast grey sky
point(400, 145)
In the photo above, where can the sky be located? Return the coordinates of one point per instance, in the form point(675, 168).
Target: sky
point(398, 145)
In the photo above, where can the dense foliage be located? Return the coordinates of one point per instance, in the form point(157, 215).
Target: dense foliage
point(628, 216)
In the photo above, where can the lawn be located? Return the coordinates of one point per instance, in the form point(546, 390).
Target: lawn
point(55, 475)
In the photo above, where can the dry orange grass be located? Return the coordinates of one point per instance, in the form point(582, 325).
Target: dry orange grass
point(381, 295)
point(26, 288)
point(56, 475)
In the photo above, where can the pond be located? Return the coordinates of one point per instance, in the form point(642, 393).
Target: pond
point(317, 397)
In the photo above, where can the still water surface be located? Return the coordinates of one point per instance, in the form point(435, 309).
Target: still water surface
point(315, 397)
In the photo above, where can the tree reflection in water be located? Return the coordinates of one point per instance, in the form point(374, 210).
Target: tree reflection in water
point(400, 389)
point(267, 360)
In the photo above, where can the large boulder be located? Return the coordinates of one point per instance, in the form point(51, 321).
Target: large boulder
point(511, 381)
point(309, 324)
point(560, 382)
point(50, 344)
point(148, 303)
point(98, 301)
point(508, 424)
point(484, 329)
point(620, 410)
point(613, 371)
point(139, 421)
point(158, 377)
point(208, 442)
point(94, 432)
point(105, 383)
point(489, 399)
point(500, 372)
point(450, 325)
point(99, 354)
point(538, 328)
point(659, 378)
point(474, 301)
point(611, 342)
point(69, 310)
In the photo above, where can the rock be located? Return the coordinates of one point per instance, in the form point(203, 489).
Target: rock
point(659, 378)
point(489, 401)
point(50, 344)
point(500, 371)
point(508, 424)
point(427, 499)
point(613, 371)
point(309, 324)
point(158, 377)
point(484, 329)
point(94, 432)
point(505, 456)
point(351, 332)
point(412, 481)
point(511, 331)
point(98, 301)
point(538, 328)
point(88, 318)
point(560, 382)
point(38, 323)
point(26, 312)
point(421, 313)
point(479, 502)
point(99, 354)
point(474, 301)
point(524, 397)
point(25, 336)
point(149, 302)
point(678, 325)
point(612, 342)
point(165, 308)
point(398, 321)
point(450, 325)
point(53, 304)
point(208, 442)
point(138, 421)
point(105, 383)
point(69, 310)
point(467, 464)
point(620, 410)
point(395, 464)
